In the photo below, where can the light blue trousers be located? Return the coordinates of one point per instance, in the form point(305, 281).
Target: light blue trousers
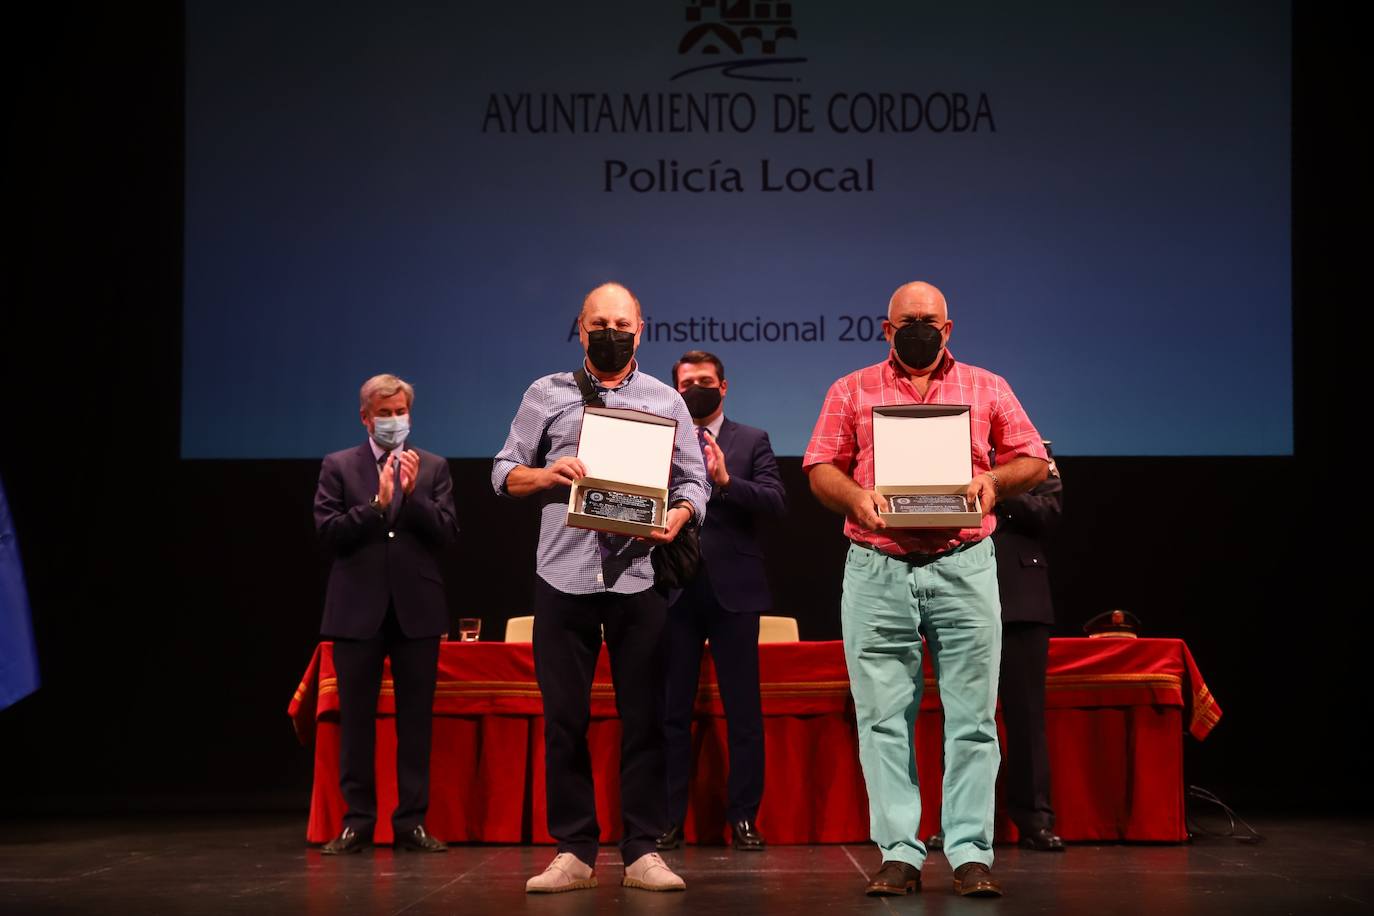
point(887, 606)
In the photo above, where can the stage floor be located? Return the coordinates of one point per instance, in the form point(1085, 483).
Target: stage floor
point(260, 865)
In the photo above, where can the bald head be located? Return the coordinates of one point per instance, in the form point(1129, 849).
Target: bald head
point(610, 297)
point(609, 307)
point(920, 308)
point(917, 300)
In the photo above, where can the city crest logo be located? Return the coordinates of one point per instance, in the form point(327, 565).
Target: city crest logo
point(748, 34)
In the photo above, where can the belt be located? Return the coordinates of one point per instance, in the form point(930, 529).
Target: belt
point(918, 559)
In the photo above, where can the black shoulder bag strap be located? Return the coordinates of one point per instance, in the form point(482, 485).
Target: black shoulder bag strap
point(589, 395)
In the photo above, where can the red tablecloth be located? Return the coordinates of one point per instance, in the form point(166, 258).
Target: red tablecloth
point(1116, 711)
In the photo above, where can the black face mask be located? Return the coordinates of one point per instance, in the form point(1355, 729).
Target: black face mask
point(917, 344)
point(701, 402)
point(610, 350)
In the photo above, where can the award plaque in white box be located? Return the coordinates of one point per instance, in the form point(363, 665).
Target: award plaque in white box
point(922, 464)
point(629, 458)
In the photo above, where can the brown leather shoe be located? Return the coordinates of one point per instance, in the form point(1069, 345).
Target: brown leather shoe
point(974, 879)
point(894, 879)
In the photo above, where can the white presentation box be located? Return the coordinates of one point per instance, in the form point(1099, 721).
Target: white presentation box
point(922, 464)
point(629, 458)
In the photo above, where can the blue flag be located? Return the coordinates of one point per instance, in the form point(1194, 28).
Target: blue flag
point(18, 657)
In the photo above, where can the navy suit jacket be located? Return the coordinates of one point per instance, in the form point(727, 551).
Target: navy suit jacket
point(1024, 523)
point(729, 540)
point(377, 561)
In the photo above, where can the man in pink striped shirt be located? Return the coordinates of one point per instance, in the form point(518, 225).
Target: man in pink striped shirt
point(941, 584)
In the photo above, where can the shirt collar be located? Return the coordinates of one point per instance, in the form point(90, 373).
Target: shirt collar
point(587, 368)
point(939, 373)
point(377, 450)
point(714, 426)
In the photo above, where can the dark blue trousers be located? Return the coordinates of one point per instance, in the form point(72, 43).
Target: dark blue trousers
point(1025, 656)
point(414, 670)
point(694, 618)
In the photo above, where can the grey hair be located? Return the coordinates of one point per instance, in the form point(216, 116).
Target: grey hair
point(384, 386)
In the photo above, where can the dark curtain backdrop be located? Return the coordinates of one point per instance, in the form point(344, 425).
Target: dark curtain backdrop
point(176, 603)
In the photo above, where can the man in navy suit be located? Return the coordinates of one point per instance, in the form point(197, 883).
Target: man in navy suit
point(384, 512)
point(722, 603)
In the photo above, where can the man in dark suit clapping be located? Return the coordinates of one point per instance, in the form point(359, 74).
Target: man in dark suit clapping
point(384, 513)
point(722, 603)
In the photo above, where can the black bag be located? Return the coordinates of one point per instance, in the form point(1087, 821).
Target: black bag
point(675, 563)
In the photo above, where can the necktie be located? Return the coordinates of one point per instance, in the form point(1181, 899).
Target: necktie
point(705, 460)
point(386, 466)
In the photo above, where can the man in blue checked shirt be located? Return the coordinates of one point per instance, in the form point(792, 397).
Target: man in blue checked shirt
point(588, 581)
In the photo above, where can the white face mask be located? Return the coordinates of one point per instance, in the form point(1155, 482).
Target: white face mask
point(390, 432)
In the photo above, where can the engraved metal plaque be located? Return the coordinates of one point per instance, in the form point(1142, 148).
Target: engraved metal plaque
point(626, 507)
point(927, 502)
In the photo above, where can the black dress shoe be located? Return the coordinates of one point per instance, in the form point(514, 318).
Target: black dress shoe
point(936, 841)
point(1043, 840)
point(349, 841)
point(974, 879)
point(747, 836)
point(417, 840)
point(894, 879)
point(671, 839)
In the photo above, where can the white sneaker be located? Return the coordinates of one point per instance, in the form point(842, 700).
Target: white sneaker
point(565, 873)
point(651, 873)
